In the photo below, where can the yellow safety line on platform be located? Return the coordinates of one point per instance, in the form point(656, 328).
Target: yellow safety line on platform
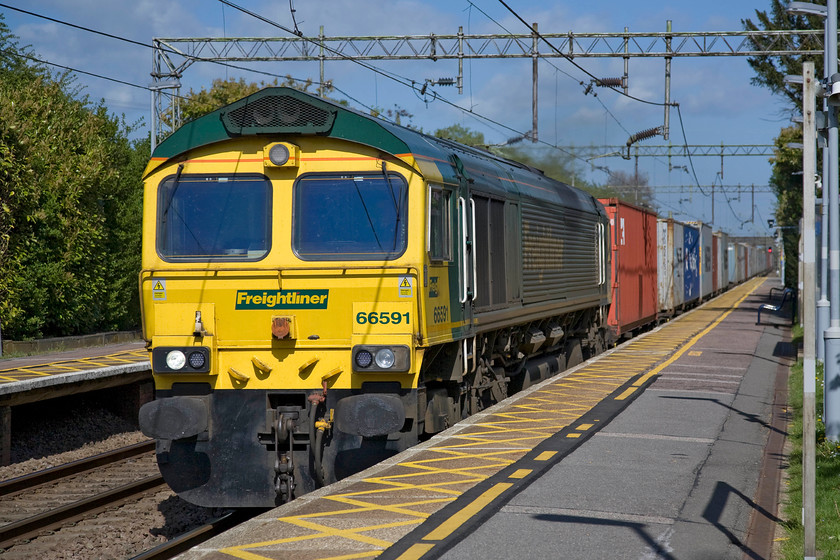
point(440, 473)
point(68, 366)
point(684, 349)
point(447, 527)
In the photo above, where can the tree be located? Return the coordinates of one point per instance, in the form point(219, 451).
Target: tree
point(771, 70)
point(770, 73)
point(224, 92)
point(633, 188)
point(461, 134)
point(786, 180)
point(69, 206)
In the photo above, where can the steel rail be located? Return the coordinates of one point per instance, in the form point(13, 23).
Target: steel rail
point(32, 526)
point(182, 543)
point(30, 481)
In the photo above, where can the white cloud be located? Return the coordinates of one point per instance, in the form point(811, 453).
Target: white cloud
point(716, 99)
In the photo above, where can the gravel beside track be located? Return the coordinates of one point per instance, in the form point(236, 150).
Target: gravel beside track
point(62, 430)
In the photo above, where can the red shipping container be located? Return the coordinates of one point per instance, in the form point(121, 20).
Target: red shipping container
point(634, 280)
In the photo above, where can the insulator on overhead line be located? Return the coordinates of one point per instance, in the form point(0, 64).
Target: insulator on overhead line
point(446, 81)
point(609, 82)
point(644, 135)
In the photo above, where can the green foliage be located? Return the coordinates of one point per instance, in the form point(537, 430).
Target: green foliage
point(461, 134)
point(771, 71)
point(224, 92)
point(827, 463)
point(554, 163)
point(70, 208)
point(557, 165)
point(786, 181)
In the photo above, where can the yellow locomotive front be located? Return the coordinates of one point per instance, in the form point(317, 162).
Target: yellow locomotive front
point(280, 302)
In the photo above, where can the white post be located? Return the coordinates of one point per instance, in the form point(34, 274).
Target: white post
point(809, 141)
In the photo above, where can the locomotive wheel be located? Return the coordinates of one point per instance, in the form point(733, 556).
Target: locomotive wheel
point(519, 381)
point(574, 354)
point(600, 345)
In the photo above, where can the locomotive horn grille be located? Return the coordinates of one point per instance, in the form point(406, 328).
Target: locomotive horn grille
point(275, 113)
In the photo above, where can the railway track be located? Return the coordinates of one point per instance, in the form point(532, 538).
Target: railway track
point(184, 542)
point(48, 499)
point(37, 505)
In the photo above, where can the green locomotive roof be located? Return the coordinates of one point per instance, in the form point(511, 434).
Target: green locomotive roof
point(287, 111)
point(282, 111)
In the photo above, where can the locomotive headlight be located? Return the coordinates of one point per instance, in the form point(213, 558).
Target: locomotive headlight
point(384, 358)
point(278, 154)
point(184, 359)
point(381, 359)
point(175, 360)
point(281, 154)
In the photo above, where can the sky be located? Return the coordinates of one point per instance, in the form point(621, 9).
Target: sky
point(718, 104)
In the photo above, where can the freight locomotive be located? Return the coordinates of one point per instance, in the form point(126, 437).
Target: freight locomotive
point(321, 289)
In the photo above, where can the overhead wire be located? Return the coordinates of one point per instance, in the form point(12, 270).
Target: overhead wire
point(588, 73)
point(148, 46)
point(688, 153)
point(392, 76)
point(547, 60)
point(164, 49)
point(728, 201)
point(76, 70)
point(572, 61)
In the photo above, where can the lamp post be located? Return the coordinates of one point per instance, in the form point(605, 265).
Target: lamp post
point(832, 333)
point(823, 305)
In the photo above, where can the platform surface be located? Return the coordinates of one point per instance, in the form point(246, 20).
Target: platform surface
point(83, 365)
point(651, 450)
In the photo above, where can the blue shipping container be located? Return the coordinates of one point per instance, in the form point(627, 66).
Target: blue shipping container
point(691, 263)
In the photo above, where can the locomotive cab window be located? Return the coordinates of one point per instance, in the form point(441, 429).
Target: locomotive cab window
point(439, 230)
point(350, 216)
point(214, 217)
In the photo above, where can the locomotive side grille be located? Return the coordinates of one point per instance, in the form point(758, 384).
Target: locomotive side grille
point(499, 269)
point(482, 248)
point(542, 251)
point(580, 263)
point(491, 267)
point(278, 113)
point(559, 255)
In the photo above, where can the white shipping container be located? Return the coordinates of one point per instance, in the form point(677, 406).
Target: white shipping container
point(670, 264)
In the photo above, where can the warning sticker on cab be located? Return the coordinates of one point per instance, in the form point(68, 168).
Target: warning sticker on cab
point(406, 286)
point(158, 289)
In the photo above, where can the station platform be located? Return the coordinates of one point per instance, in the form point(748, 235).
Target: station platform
point(668, 446)
point(58, 374)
